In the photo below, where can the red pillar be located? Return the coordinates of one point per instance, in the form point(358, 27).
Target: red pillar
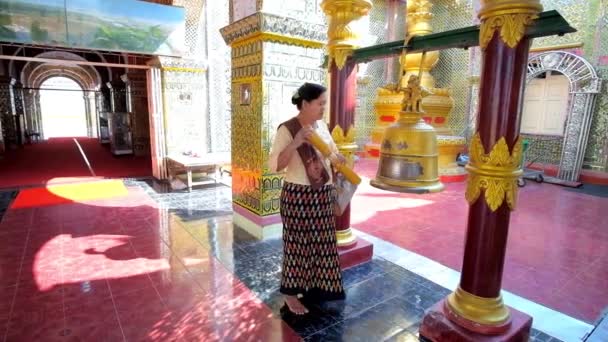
point(343, 95)
point(476, 307)
point(343, 101)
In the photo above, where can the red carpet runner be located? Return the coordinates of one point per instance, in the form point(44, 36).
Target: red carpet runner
point(58, 160)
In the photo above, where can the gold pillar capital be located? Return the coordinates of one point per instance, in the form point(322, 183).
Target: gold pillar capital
point(419, 17)
point(509, 17)
point(343, 38)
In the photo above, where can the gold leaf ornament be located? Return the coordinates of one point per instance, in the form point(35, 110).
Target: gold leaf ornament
point(512, 28)
point(496, 173)
point(338, 135)
point(341, 138)
point(511, 17)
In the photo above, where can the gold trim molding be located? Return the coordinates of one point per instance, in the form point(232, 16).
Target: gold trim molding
point(496, 173)
point(509, 16)
point(275, 28)
point(487, 311)
point(558, 47)
point(345, 237)
point(277, 38)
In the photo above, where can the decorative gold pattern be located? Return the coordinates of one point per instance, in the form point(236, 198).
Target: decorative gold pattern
point(256, 41)
point(247, 62)
point(346, 143)
point(279, 38)
point(274, 27)
point(486, 311)
point(340, 55)
point(450, 140)
point(512, 28)
point(340, 138)
point(496, 173)
point(343, 38)
point(509, 16)
point(247, 159)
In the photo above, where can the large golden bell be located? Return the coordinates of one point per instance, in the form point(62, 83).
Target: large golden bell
point(408, 156)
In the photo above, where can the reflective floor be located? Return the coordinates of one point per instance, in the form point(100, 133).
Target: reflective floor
point(557, 252)
point(157, 266)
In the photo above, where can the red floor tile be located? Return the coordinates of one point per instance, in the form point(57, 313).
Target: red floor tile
point(111, 256)
point(101, 271)
point(555, 235)
point(36, 323)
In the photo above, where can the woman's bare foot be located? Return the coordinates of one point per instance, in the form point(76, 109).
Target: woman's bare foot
point(295, 306)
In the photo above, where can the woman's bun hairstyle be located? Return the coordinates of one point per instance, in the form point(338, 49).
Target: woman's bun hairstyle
point(307, 92)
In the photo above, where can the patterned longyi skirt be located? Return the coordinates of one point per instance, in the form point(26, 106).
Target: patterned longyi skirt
point(311, 265)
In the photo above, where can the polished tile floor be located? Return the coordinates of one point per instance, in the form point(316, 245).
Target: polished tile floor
point(155, 266)
point(557, 251)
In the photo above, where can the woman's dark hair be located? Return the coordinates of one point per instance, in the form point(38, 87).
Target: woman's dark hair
point(308, 92)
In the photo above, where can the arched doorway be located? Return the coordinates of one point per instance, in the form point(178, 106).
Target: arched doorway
point(63, 108)
point(583, 87)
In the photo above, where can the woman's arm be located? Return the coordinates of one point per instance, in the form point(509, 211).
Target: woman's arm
point(285, 156)
point(285, 146)
point(281, 141)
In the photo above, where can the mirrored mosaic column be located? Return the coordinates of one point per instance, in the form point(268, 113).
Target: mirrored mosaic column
point(273, 53)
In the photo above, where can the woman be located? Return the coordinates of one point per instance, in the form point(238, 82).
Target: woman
point(311, 266)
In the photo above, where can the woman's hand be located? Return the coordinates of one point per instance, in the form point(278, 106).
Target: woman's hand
point(302, 136)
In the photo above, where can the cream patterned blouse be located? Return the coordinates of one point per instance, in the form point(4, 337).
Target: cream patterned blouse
point(296, 173)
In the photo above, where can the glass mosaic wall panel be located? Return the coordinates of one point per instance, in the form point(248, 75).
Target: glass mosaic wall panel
point(453, 68)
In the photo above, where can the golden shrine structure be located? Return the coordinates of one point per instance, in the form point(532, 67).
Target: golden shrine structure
point(437, 106)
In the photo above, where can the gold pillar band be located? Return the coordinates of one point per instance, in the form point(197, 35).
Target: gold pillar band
point(509, 16)
point(346, 237)
point(496, 173)
point(487, 311)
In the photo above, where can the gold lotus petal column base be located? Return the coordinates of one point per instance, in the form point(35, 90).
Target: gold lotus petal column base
point(484, 315)
point(346, 237)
